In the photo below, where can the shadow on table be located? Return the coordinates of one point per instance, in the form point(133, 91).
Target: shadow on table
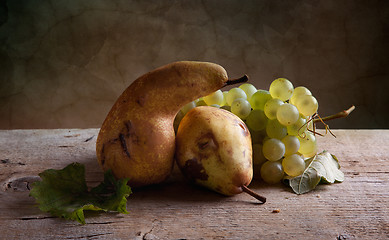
point(177, 189)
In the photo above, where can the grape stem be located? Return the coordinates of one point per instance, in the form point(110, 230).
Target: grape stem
point(253, 194)
point(317, 116)
point(243, 79)
point(341, 114)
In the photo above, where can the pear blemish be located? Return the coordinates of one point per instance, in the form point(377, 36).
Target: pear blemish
point(193, 169)
point(225, 156)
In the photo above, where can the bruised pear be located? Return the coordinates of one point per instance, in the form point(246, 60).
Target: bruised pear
point(137, 138)
point(213, 149)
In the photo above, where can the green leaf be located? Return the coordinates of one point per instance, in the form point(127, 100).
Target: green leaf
point(322, 168)
point(64, 193)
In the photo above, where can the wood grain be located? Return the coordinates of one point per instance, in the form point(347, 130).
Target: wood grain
point(354, 209)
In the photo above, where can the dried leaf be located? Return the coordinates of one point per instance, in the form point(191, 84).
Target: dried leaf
point(322, 168)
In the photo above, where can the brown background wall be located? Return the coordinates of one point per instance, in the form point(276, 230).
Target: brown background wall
point(64, 63)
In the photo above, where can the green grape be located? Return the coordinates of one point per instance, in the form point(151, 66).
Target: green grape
point(256, 120)
point(177, 120)
point(294, 165)
point(302, 156)
point(214, 98)
point(241, 108)
point(271, 107)
point(258, 158)
point(215, 105)
point(292, 144)
point(188, 107)
point(199, 99)
point(281, 88)
point(225, 107)
point(200, 102)
point(287, 114)
point(307, 143)
point(249, 89)
point(235, 93)
point(274, 129)
point(311, 154)
point(259, 99)
point(257, 136)
point(307, 105)
point(272, 172)
point(273, 149)
point(298, 128)
point(224, 103)
point(299, 91)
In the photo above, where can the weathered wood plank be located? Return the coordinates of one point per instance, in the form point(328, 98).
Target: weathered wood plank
point(354, 209)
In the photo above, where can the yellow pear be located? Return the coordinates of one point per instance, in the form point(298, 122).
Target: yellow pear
point(137, 139)
point(213, 149)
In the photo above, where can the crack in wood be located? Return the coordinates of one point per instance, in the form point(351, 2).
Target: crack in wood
point(5, 160)
point(35, 218)
point(149, 235)
point(345, 237)
point(21, 184)
point(90, 138)
point(369, 172)
point(145, 236)
point(90, 236)
point(8, 161)
point(74, 135)
point(102, 223)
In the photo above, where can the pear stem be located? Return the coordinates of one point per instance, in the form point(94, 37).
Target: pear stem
point(243, 79)
point(253, 194)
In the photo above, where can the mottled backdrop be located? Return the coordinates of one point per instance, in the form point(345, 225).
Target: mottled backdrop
point(63, 63)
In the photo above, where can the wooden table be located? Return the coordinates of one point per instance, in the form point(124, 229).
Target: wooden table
point(354, 209)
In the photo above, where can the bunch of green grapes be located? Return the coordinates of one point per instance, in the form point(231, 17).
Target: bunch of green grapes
point(279, 120)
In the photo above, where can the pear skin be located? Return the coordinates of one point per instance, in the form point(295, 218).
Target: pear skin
point(137, 138)
point(213, 149)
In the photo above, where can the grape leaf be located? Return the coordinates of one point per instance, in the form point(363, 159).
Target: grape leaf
point(64, 193)
point(322, 168)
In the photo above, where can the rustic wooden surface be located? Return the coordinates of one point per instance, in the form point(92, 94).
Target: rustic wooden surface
point(354, 209)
